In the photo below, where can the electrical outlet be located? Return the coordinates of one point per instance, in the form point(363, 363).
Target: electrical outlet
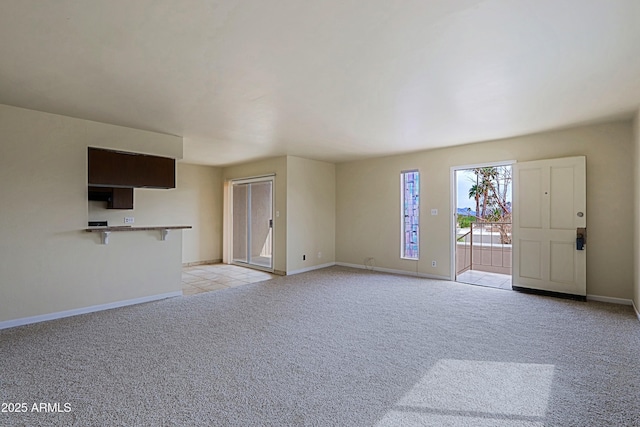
point(434, 263)
point(434, 211)
point(128, 220)
point(319, 254)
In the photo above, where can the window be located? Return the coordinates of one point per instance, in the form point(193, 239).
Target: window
point(410, 205)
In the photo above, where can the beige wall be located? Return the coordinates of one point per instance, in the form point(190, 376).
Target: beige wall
point(48, 263)
point(196, 201)
point(199, 198)
point(311, 188)
point(277, 166)
point(636, 208)
point(368, 211)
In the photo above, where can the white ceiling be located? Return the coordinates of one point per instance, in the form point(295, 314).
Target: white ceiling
point(332, 80)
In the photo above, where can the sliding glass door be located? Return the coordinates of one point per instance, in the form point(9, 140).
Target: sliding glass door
point(253, 223)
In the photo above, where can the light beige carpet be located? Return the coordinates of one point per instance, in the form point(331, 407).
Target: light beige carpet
point(332, 347)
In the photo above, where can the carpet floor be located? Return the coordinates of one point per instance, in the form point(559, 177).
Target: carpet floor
point(333, 347)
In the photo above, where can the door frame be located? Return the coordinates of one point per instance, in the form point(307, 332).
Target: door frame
point(454, 205)
point(227, 252)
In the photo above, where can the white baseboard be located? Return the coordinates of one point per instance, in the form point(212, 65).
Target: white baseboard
point(635, 309)
point(313, 267)
point(393, 271)
point(67, 313)
point(196, 263)
point(432, 276)
point(612, 300)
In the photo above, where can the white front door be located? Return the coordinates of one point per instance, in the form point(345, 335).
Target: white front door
point(549, 205)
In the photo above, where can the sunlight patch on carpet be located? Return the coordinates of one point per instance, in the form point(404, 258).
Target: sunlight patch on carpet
point(472, 392)
point(405, 419)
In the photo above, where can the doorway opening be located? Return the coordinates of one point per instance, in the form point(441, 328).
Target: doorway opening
point(482, 225)
point(252, 223)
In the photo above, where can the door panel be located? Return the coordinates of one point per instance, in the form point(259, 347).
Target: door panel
point(531, 184)
point(261, 224)
point(530, 251)
point(562, 206)
point(240, 222)
point(549, 204)
point(563, 267)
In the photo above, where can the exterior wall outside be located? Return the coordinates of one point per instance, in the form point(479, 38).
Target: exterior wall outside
point(48, 263)
point(368, 201)
point(494, 259)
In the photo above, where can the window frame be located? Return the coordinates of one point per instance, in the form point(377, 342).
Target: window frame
point(403, 215)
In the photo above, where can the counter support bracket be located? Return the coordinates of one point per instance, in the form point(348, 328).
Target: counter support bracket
point(104, 237)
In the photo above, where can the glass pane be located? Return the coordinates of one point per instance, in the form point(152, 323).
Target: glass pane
point(261, 229)
point(411, 213)
point(240, 225)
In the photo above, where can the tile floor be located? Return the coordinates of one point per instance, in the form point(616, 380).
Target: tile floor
point(213, 277)
point(484, 278)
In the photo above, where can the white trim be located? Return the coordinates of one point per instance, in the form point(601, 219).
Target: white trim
point(430, 276)
point(635, 309)
point(227, 212)
point(393, 271)
point(612, 300)
point(207, 262)
point(313, 267)
point(484, 165)
point(453, 195)
point(252, 179)
point(252, 266)
point(84, 310)
point(454, 205)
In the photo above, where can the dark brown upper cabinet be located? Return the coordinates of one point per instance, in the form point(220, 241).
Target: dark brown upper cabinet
point(116, 197)
point(109, 168)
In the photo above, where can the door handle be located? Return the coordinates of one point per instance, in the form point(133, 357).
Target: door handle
point(581, 238)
